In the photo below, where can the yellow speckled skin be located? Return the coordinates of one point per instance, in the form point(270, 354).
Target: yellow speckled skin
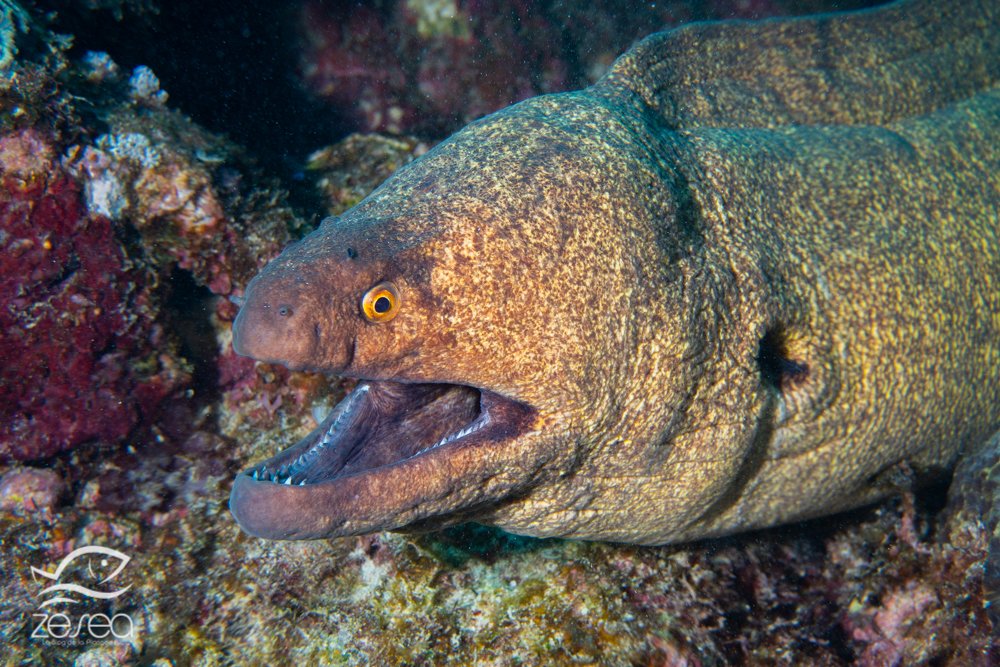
point(740, 280)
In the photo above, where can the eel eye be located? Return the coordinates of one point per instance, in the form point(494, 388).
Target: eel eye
point(381, 303)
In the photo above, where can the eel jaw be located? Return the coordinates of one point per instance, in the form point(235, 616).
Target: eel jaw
point(389, 455)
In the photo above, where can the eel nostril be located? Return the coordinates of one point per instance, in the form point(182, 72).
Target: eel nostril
point(285, 311)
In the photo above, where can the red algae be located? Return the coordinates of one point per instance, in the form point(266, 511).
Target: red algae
point(76, 317)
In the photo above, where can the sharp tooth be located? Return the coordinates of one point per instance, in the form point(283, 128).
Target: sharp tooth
point(254, 475)
point(302, 483)
point(320, 412)
point(288, 482)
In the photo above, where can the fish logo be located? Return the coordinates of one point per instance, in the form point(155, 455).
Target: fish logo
point(62, 591)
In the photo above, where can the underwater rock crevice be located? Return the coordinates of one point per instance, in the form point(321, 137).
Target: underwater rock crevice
point(188, 309)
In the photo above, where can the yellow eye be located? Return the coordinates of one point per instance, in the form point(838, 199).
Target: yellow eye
point(381, 303)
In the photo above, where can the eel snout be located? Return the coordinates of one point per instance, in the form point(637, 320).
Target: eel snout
point(280, 322)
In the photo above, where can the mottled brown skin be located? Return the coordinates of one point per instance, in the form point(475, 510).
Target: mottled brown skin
point(737, 282)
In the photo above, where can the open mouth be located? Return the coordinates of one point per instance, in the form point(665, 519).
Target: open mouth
point(373, 460)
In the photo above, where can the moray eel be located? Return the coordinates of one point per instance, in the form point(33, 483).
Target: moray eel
point(746, 278)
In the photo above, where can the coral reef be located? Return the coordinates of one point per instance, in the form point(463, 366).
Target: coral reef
point(182, 189)
point(850, 591)
point(348, 170)
point(973, 513)
point(95, 225)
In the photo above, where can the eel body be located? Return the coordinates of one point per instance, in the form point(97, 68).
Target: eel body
point(744, 279)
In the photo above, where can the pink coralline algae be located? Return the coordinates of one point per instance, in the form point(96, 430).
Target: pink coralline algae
point(30, 490)
point(78, 358)
point(886, 637)
point(167, 194)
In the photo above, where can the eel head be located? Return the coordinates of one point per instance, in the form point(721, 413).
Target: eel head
point(425, 430)
point(450, 295)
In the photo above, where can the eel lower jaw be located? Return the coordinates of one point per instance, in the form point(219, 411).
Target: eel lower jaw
point(390, 454)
